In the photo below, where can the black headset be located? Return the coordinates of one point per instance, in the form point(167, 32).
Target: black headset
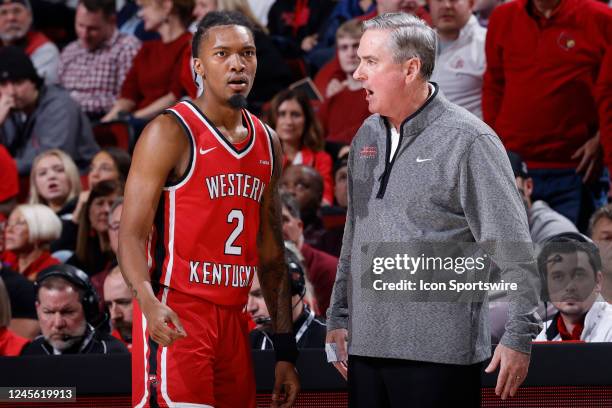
point(77, 277)
point(296, 273)
point(579, 241)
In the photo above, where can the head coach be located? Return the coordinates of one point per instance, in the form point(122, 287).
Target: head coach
point(423, 169)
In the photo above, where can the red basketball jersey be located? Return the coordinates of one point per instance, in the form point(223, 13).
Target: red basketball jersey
point(207, 222)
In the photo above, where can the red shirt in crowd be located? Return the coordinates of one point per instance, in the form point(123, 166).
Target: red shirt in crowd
point(9, 187)
point(342, 115)
point(31, 271)
point(155, 71)
point(548, 84)
point(10, 343)
point(321, 272)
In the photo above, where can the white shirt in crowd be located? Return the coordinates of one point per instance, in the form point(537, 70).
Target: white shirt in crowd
point(460, 66)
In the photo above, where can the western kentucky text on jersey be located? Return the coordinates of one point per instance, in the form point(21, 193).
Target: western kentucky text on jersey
point(208, 221)
point(235, 184)
point(210, 273)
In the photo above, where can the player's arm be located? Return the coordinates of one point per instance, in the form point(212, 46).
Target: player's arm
point(275, 286)
point(162, 150)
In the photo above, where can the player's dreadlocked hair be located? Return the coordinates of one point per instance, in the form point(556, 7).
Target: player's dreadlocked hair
point(216, 19)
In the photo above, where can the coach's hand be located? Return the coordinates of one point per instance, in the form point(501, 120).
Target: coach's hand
point(340, 337)
point(591, 158)
point(513, 370)
point(163, 324)
point(286, 385)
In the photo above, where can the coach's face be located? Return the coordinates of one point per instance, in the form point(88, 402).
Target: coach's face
point(379, 73)
point(572, 283)
point(227, 62)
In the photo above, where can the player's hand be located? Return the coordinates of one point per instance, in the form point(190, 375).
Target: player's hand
point(590, 156)
point(7, 102)
point(340, 337)
point(513, 370)
point(163, 324)
point(286, 385)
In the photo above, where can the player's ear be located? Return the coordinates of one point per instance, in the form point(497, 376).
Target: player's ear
point(198, 68)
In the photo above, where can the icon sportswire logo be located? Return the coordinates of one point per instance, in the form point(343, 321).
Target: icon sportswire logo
point(203, 152)
point(419, 160)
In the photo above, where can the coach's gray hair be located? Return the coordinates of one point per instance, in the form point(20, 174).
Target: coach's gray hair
point(410, 37)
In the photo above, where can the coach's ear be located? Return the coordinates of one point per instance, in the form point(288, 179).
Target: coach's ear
point(198, 68)
point(411, 68)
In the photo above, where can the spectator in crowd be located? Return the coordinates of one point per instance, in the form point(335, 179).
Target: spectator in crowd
point(93, 67)
point(24, 321)
point(600, 227)
point(93, 252)
point(570, 267)
point(556, 122)
point(295, 24)
point(273, 74)
point(11, 344)
point(16, 29)
point(301, 136)
point(9, 188)
point(29, 230)
point(309, 331)
point(600, 224)
point(340, 181)
point(544, 222)
point(55, 182)
point(320, 266)
point(66, 305)
point(345, 107)
point(114, 217)
point(460, 58)
point(333, 69)
point(154, 81)
point(35, 117)
point(305, 184)
point(118, 301)
point(110, 163)
point(344, 11)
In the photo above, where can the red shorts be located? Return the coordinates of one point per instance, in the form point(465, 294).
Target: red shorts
point(211, 367)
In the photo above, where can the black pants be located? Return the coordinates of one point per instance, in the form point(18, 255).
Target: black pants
point(394, 383)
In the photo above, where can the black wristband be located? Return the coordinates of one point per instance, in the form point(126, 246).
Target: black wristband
point(285, 347)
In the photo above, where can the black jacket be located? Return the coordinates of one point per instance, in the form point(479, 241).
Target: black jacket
point(93, 342)
point(310, 332)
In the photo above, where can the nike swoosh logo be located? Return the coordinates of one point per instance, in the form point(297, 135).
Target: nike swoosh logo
point(202, 151)
point(422, 160)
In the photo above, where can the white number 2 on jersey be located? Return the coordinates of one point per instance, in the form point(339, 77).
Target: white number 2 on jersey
point(230, 248)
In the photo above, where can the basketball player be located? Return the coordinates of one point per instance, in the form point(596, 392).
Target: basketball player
point(206, 174)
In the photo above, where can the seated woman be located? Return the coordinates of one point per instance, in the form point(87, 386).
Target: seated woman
point(93, 251)
point(110, 163)
point(28, 232)
point(154, 81)
point(301, 136)
point(55, 182)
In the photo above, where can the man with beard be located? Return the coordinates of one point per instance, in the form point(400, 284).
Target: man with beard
point(118, 300)
point(16, 29)
point(66, 302)
point(570, 266)
point(205, 173)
